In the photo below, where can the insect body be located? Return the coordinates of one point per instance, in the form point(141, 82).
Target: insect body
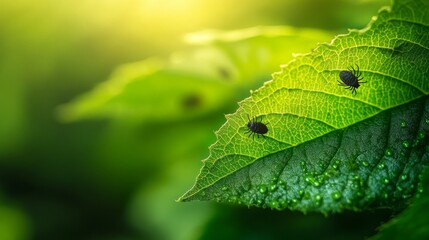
point(351, 79)
point(256, 127)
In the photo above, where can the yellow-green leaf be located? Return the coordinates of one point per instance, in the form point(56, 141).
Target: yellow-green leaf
point(327, 149)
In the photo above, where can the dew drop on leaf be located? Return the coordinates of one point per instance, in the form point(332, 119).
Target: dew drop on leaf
point(263, 189)
point(386, 195)
point(388, 152)
point(406, 144)
point(336, 196)
point(274, 204)
point(318, 199)
point(273, 187)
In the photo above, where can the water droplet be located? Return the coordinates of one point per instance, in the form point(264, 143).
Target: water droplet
point(335, 166)
point(225, 188)
point(259, 202)
point(386, 181)
point(427, 121)
point(318, 199)
point(404, 177)
point(251, 91)
point(274, 179)
point(316, 183)
point(281, 183)
point(400, 188)
point(263, 189)
point(388, 152)
point(336, 196)
point(310, 179)
point(402, 153)
point(406, 144)
point(273, 187)
point(274, 204)
point(301, 192)
point(365, 163)
point(403, 124)
point(385, 195)
point(303, 166)
point(421, 134)
point(381, 165)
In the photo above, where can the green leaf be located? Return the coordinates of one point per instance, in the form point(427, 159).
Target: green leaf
point(326, 149)
point(412, 223)
point(211, 76)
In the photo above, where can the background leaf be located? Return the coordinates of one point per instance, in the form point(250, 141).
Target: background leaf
point(220, 69)
point(326, 149)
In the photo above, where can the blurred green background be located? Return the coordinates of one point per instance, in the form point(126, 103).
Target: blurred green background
point(117, 177)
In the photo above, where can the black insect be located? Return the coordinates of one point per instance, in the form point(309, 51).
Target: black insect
point(351, 79)
point(256, 127)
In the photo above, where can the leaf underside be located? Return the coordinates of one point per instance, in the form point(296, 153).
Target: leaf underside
point(326, 149)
